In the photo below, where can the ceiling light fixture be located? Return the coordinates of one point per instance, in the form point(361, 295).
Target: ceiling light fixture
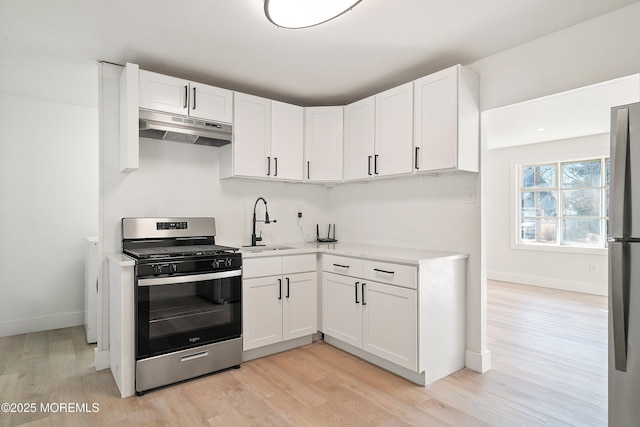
point(305, 13)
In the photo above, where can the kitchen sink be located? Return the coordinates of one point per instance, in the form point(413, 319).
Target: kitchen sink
point(265, 248)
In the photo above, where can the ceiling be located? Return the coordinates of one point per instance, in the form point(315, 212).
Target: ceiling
point(571, 114)
point(230, 43)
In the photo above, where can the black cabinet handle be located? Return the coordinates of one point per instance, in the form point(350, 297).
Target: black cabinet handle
point(268, 165)
point(275, 159)
point(369, 165)
point(194, 98)
point(340, 265)
point(384, 271)
point(363, 301)
point(375, 164)
point(288, 287)
point(186, 95)
point(308, 170)
point(279, 288)
point(357, 283)
point(416, 159)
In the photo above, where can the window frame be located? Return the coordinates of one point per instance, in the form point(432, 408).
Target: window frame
point(558, 189)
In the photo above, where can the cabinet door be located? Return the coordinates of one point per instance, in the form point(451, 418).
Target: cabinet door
point(394, 131)
point(323, 143)
point(342, 309)
point(251, 136)
point(436, 120)
point(390, 323)
point(261, 312)
point(287, 140)
point(299, 311)
point(163, 93)
point(210, 103)
point(359, 136)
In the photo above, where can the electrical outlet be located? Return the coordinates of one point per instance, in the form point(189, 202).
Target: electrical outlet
point(470, 195)
point(299, 209)
point(299, 214)
point(593, 268)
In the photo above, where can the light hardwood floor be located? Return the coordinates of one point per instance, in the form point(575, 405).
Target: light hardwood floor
point(549, 355)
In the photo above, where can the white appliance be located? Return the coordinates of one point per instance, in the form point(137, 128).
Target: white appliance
point(624, 267)
point(91, 289)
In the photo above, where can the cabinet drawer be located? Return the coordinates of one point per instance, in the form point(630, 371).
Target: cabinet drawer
point(261, 267)
point(298, 263)
point(342, 265)
point(395, 274)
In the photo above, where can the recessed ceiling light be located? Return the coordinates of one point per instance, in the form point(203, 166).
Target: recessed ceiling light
point(539, 129)
point(305, 13)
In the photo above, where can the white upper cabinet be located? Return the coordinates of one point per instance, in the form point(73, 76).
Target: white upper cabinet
point(178, 96)
point(267, 140)
point(251, 136)
point(447, 121)
point(378, 134)
point(323, 144)
point(359, 139)
point(394, 131)
point(287, 140)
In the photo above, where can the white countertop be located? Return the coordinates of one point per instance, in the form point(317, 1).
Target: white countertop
point(121, 259)
point(411, 256)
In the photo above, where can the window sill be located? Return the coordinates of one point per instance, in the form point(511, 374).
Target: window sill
point(558, 248)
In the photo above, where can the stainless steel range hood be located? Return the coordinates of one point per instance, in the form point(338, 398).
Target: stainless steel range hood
point(170, 127)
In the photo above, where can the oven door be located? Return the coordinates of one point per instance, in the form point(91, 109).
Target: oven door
point(178, 312)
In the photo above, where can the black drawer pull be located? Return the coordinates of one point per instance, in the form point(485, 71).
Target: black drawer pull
point(340, 265)
point(384, 271)
point(357, 302)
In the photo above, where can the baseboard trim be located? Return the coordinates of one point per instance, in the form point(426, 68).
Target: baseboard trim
point(545, 282)
point(479, 362)
point(39, 324)
point(102, 360)
point(414, 377)
point(268, 350)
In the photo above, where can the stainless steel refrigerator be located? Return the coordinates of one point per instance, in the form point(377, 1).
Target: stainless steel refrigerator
point(624, 267)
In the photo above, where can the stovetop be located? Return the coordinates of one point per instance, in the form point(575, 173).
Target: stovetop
point(179, 251)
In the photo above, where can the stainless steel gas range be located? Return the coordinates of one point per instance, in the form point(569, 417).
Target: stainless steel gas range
point(188, 299)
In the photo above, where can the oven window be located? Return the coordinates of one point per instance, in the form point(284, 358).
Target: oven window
point(182, 308)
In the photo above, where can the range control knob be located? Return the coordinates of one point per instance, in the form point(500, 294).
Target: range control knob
point(157, 268)
point(228, 262)
point(173, 268)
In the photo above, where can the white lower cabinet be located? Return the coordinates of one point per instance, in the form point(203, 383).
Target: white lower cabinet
point(389, 323)
point(342, 311)
point(378, 318)
point(279, 307)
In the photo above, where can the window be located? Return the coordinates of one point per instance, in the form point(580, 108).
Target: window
point(564, 203)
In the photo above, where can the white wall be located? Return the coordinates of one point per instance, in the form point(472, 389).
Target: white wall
point(598, 50)
point(564, 269)
point(592, 52)
point(48, 189)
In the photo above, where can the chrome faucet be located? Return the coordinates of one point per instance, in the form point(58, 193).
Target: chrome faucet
point(255, 239)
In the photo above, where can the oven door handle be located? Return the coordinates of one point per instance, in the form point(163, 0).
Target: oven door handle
point(188, 278)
